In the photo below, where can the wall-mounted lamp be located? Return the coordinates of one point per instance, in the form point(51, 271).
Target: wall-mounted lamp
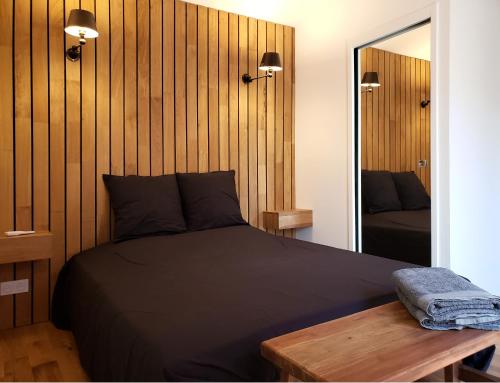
point(270, 63)
point(424, 103)
point(370, 81)
point(81, 24)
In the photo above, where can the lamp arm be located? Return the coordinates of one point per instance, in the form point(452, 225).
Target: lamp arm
point(247, 79)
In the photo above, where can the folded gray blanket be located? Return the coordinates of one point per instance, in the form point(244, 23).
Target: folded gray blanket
point(441, 300)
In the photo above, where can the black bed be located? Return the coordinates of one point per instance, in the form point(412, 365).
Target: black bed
point(401, 235)
point(196, 306)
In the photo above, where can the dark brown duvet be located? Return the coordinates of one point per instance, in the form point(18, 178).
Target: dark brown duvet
point(196, 306)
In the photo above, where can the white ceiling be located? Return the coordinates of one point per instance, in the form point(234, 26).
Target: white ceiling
point(415, 43)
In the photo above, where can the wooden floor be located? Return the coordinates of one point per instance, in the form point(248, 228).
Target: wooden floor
point(42, 353)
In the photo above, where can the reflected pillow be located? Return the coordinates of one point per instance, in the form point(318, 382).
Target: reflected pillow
point(379, 191)
point(145, 205)
point(411, 192)
point(209, 200)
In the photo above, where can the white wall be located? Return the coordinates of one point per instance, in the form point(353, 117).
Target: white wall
point(468, 115)
point(475, 140)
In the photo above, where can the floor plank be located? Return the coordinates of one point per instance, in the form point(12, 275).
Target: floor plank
point(43, 353)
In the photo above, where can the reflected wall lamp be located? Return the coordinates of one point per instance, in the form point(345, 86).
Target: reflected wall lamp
point(270, 63)
point(370, 81)
point(81, 24)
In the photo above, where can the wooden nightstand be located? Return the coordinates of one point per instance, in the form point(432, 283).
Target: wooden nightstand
point(288, 219)
point(25, 248)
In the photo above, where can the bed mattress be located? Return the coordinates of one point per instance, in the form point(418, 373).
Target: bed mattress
point(196, 306)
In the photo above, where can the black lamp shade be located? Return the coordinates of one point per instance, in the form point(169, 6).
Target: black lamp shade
point(81, 23)
point(271, 62)
point(370, 79)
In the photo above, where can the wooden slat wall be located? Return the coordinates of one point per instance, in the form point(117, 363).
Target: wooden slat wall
point(395, 129)
point(159, 91)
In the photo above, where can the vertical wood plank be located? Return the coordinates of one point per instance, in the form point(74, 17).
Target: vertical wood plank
point(374, 95)
point(279, 127)
point(392, 112)
point(269, 167)
point(156, 101)
point(423, 155)
point(40, 109)
point(369, 114)
point(364, 151)
point(413, 115)
point(287, 138)
point(213, 89)
point(180, 87)
point(381, 110)
point(23, 147)
point(57, 136)
point(192, 88)
point(117, 100)
point(144, 144)
point(223, 90)
point(397, 143)
point(233, 96)
point(243, 117)
point(168, 86)
point(418, 108)
point(402, 92)
point(252, 123)
point(408, 114)
point(103, 120)
point(261, 126)
point(6, 151)
point(130, 86)
point(202, 89)
point(88, 139)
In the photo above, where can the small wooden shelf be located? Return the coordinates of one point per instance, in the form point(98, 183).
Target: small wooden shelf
point(25, 248)
point(288, 219)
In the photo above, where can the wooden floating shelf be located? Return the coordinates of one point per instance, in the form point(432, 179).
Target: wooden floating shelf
point(288, 219)
point(25, 248)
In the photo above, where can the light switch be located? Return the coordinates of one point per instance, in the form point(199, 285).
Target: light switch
point(14, 287)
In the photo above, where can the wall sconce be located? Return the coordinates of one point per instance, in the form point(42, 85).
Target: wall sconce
point(370, 81)
point(270, 63)
point(424, 103)
point(81, 24)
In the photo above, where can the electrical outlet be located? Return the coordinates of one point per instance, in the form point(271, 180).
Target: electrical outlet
point(14, 287)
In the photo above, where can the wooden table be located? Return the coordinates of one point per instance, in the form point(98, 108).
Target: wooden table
point(381, 344)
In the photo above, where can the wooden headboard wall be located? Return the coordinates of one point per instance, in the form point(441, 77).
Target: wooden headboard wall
point(395, 131)
point(159, 91)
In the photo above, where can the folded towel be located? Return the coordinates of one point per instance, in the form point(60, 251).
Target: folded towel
point(441, 300)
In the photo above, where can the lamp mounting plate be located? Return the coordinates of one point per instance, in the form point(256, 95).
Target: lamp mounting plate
point(247, 78)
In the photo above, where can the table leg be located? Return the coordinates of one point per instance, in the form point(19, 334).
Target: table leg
point(451, 373)
point(284, 376)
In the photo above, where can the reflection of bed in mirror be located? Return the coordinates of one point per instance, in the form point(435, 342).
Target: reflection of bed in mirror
point(401, 235)
point(396, 219)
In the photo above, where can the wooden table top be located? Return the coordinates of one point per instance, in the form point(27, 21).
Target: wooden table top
point(381, 344)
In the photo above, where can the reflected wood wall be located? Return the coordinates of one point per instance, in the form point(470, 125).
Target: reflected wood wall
point(395, 129)
point(158, 92)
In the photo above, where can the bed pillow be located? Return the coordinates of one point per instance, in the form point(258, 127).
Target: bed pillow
point(379, 191)
point(411, 192)
point(145, 205)
point(209, 200)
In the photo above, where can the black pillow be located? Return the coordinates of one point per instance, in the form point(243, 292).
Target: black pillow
point(379, 191)
point(145, 205)
point(209, 200)
point(411, 192)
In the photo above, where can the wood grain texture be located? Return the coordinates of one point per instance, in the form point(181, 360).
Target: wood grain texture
point(158, 91)
point(42, 353)
point(287, 219)
point(395, 130)
point(27, 248)
point(404, 350)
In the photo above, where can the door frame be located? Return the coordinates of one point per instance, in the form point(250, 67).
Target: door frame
point(439, 169)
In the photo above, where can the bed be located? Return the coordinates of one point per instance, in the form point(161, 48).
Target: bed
point(197, 305)
point(401, 235)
